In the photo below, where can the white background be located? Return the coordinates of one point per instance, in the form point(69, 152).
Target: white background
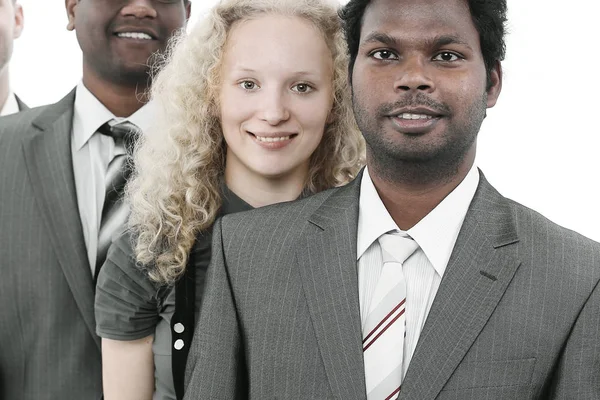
point(538, 146)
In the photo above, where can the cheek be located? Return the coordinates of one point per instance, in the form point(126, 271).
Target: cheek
point(313, 116)
point(459, 92)
point(234, 110)
point(369, 88)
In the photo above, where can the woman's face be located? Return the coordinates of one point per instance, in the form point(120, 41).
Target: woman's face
point(276, 95)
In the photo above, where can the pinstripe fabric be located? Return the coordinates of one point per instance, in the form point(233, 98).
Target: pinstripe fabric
point(48, 348)
point(515, 317)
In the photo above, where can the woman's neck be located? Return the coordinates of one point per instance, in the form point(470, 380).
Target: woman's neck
point(259, 190)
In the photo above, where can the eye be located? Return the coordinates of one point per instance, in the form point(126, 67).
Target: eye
point(384, 55)
point(302, 88)
point(447, 56)
point(248, 85)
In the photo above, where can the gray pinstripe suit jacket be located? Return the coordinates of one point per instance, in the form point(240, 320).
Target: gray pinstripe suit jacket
point(48, 345)
point(517, 314)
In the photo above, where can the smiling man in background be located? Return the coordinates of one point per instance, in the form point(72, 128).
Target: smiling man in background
point(57, 218)
point(11, 26)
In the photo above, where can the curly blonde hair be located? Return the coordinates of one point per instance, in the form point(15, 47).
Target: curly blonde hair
point(175, 191)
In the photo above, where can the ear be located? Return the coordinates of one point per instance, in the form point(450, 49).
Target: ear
point(71, 5)
point(188, 9)
point(495, 85)
point(19, 20)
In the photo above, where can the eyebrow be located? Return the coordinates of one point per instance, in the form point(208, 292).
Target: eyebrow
point(301, 73)
point(437, 41)
point(378, 37)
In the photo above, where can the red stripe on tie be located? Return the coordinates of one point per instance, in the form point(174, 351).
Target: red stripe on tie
point(383, 320)
point(383, 330)
point(395, 392)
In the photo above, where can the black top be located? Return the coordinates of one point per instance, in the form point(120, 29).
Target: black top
point(130, 306)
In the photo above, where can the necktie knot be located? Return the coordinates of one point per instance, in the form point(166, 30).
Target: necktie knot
point(124, 132)
point(396, 248)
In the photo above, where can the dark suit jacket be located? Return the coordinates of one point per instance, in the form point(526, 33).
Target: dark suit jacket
point(517, 314)
point(48, 345)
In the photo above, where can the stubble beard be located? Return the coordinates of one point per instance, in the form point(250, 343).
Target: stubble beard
point(427, 165)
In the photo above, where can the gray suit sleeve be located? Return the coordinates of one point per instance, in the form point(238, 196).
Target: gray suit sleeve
point(216, 366)
point(578, 374)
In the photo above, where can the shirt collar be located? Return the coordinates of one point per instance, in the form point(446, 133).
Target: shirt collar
point(10, 106)
point(436, 233)
point(90, 114)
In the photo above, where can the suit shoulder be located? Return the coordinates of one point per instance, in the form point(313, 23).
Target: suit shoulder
point(567, 249)
point(537, 224)
point(15, 125)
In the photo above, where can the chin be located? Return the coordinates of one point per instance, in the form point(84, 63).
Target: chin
point(133, 73)
point(273, 174)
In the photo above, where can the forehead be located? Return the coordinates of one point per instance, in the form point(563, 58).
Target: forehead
point(276, 43)
point(419, 20)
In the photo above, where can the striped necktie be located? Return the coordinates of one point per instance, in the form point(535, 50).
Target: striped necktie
point(385, 326)
point(114, 211)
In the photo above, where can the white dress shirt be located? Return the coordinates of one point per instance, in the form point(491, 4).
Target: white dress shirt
point(10, 106)
point(435, 234)
point(92, 152)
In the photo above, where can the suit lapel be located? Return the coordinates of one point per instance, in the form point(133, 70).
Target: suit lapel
point(327, 264)
point(50, 167)
point(481, 266)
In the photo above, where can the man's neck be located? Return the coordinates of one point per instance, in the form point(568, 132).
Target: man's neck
point(4, 86)
point(120, 100)
point(409, 201)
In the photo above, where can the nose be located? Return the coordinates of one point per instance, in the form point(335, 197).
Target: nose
point(139, 9)
point(274, 109)
point(414, 75)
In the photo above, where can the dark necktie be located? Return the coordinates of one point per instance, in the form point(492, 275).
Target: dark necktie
point(114, 211)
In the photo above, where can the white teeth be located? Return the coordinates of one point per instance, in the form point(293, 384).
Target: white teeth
point(414, 116)
point(272, 139)
point(135, 35)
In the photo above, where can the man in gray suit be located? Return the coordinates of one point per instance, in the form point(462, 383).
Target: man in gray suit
point(418, 280)
point(55, 161)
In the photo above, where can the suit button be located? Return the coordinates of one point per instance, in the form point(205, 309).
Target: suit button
point(179, 328)
point(178, 344)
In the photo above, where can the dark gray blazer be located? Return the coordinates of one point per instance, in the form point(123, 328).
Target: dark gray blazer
point(48, 345)
point(517, 314)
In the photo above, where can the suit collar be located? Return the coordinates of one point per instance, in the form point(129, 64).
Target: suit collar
point(435, 233)
point(90, 114)
point(479, 271)
point(48, 157)
point(22, 106)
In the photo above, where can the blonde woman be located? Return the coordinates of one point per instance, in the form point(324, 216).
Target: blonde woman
point(254, 109)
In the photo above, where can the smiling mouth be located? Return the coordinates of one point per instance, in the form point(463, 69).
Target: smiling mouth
point(134, 35)
point(414, 123)
point(415, 116)
point(273, 139)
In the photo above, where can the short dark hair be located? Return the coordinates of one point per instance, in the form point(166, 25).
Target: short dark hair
point(489, 17)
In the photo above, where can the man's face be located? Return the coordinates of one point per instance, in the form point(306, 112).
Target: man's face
point(117, 37)
point(11, 25)
point(419, 82)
